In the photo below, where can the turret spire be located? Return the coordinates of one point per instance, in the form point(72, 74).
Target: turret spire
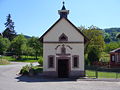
point(63, 8)
point(63, 12)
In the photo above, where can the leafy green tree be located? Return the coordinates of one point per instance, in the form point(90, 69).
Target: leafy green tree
point(18, 45)
point(36, 45)
point(28, 51)
point(4, 45)
point(9, 32)
point(111, 46)
point(93, 55)
point(107, 38)
point(113, 32)
point(96, 42)
point(96, 39)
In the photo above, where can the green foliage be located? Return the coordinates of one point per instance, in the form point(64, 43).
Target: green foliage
point(18, 45)
point(4, 45)
point(107, 38)
point(93, 55)
point(96, 39)
point(102, 74)
point(9, 58)
point(105, 57)
point(29, 51)
point(26, 69)
point(37, 69)
point(36, 45)
point(29, 59)
point(112, 32)
point(111, 46)
point(40, 61)
point(9, 32)
point(86, 59)
point(95, 45)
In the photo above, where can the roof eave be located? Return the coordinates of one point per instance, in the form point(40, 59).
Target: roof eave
point(85, 38)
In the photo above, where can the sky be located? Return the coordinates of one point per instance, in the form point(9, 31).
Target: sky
point(34, 17)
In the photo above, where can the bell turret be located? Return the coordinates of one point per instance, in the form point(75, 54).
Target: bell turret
point(63, 12)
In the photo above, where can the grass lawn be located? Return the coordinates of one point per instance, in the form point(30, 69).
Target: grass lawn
point(91, 74)
point(24, 59)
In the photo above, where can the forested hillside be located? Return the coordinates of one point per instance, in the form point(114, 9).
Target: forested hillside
point(110, 34)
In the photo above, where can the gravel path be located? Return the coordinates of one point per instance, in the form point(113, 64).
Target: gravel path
point(10, 81)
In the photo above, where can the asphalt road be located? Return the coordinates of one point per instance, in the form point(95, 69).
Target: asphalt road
point(10, 81)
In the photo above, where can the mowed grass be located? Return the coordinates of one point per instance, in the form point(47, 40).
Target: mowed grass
point(23, 59)
point(92, 74)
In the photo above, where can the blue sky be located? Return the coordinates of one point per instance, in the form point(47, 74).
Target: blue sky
point(34, 17)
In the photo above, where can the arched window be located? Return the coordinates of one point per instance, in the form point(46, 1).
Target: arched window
point(63, 38)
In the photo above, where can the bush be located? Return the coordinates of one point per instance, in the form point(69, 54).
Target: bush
point(40, 61)
point(38, 69)
point(25, 69)
point(94, 55)
point(4, 61)
point(30, 70)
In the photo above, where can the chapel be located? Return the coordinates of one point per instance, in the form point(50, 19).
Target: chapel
point(63, 48)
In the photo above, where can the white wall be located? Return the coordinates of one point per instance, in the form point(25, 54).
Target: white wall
point(73, 36)
point(77, 49)
point(63, 27)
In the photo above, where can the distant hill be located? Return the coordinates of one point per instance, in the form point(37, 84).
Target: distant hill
point(26, 36)
point(110, 34)
point(111, 30)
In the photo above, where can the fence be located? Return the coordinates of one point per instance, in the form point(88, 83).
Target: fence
point(102, 72)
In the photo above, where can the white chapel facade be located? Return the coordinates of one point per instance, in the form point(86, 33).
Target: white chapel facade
point(63, 48)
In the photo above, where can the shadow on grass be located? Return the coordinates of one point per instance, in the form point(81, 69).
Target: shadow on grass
point(42, 79)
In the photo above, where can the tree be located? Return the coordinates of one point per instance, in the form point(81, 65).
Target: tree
point(29, 51)
point(107, 38)
point(113, 32)
point(9, 32)
point(96, 41)
point(111, 46)
point(93, 55)
point(36, 45)
point(92, 27)
point(18, 45)
point(4, 45)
